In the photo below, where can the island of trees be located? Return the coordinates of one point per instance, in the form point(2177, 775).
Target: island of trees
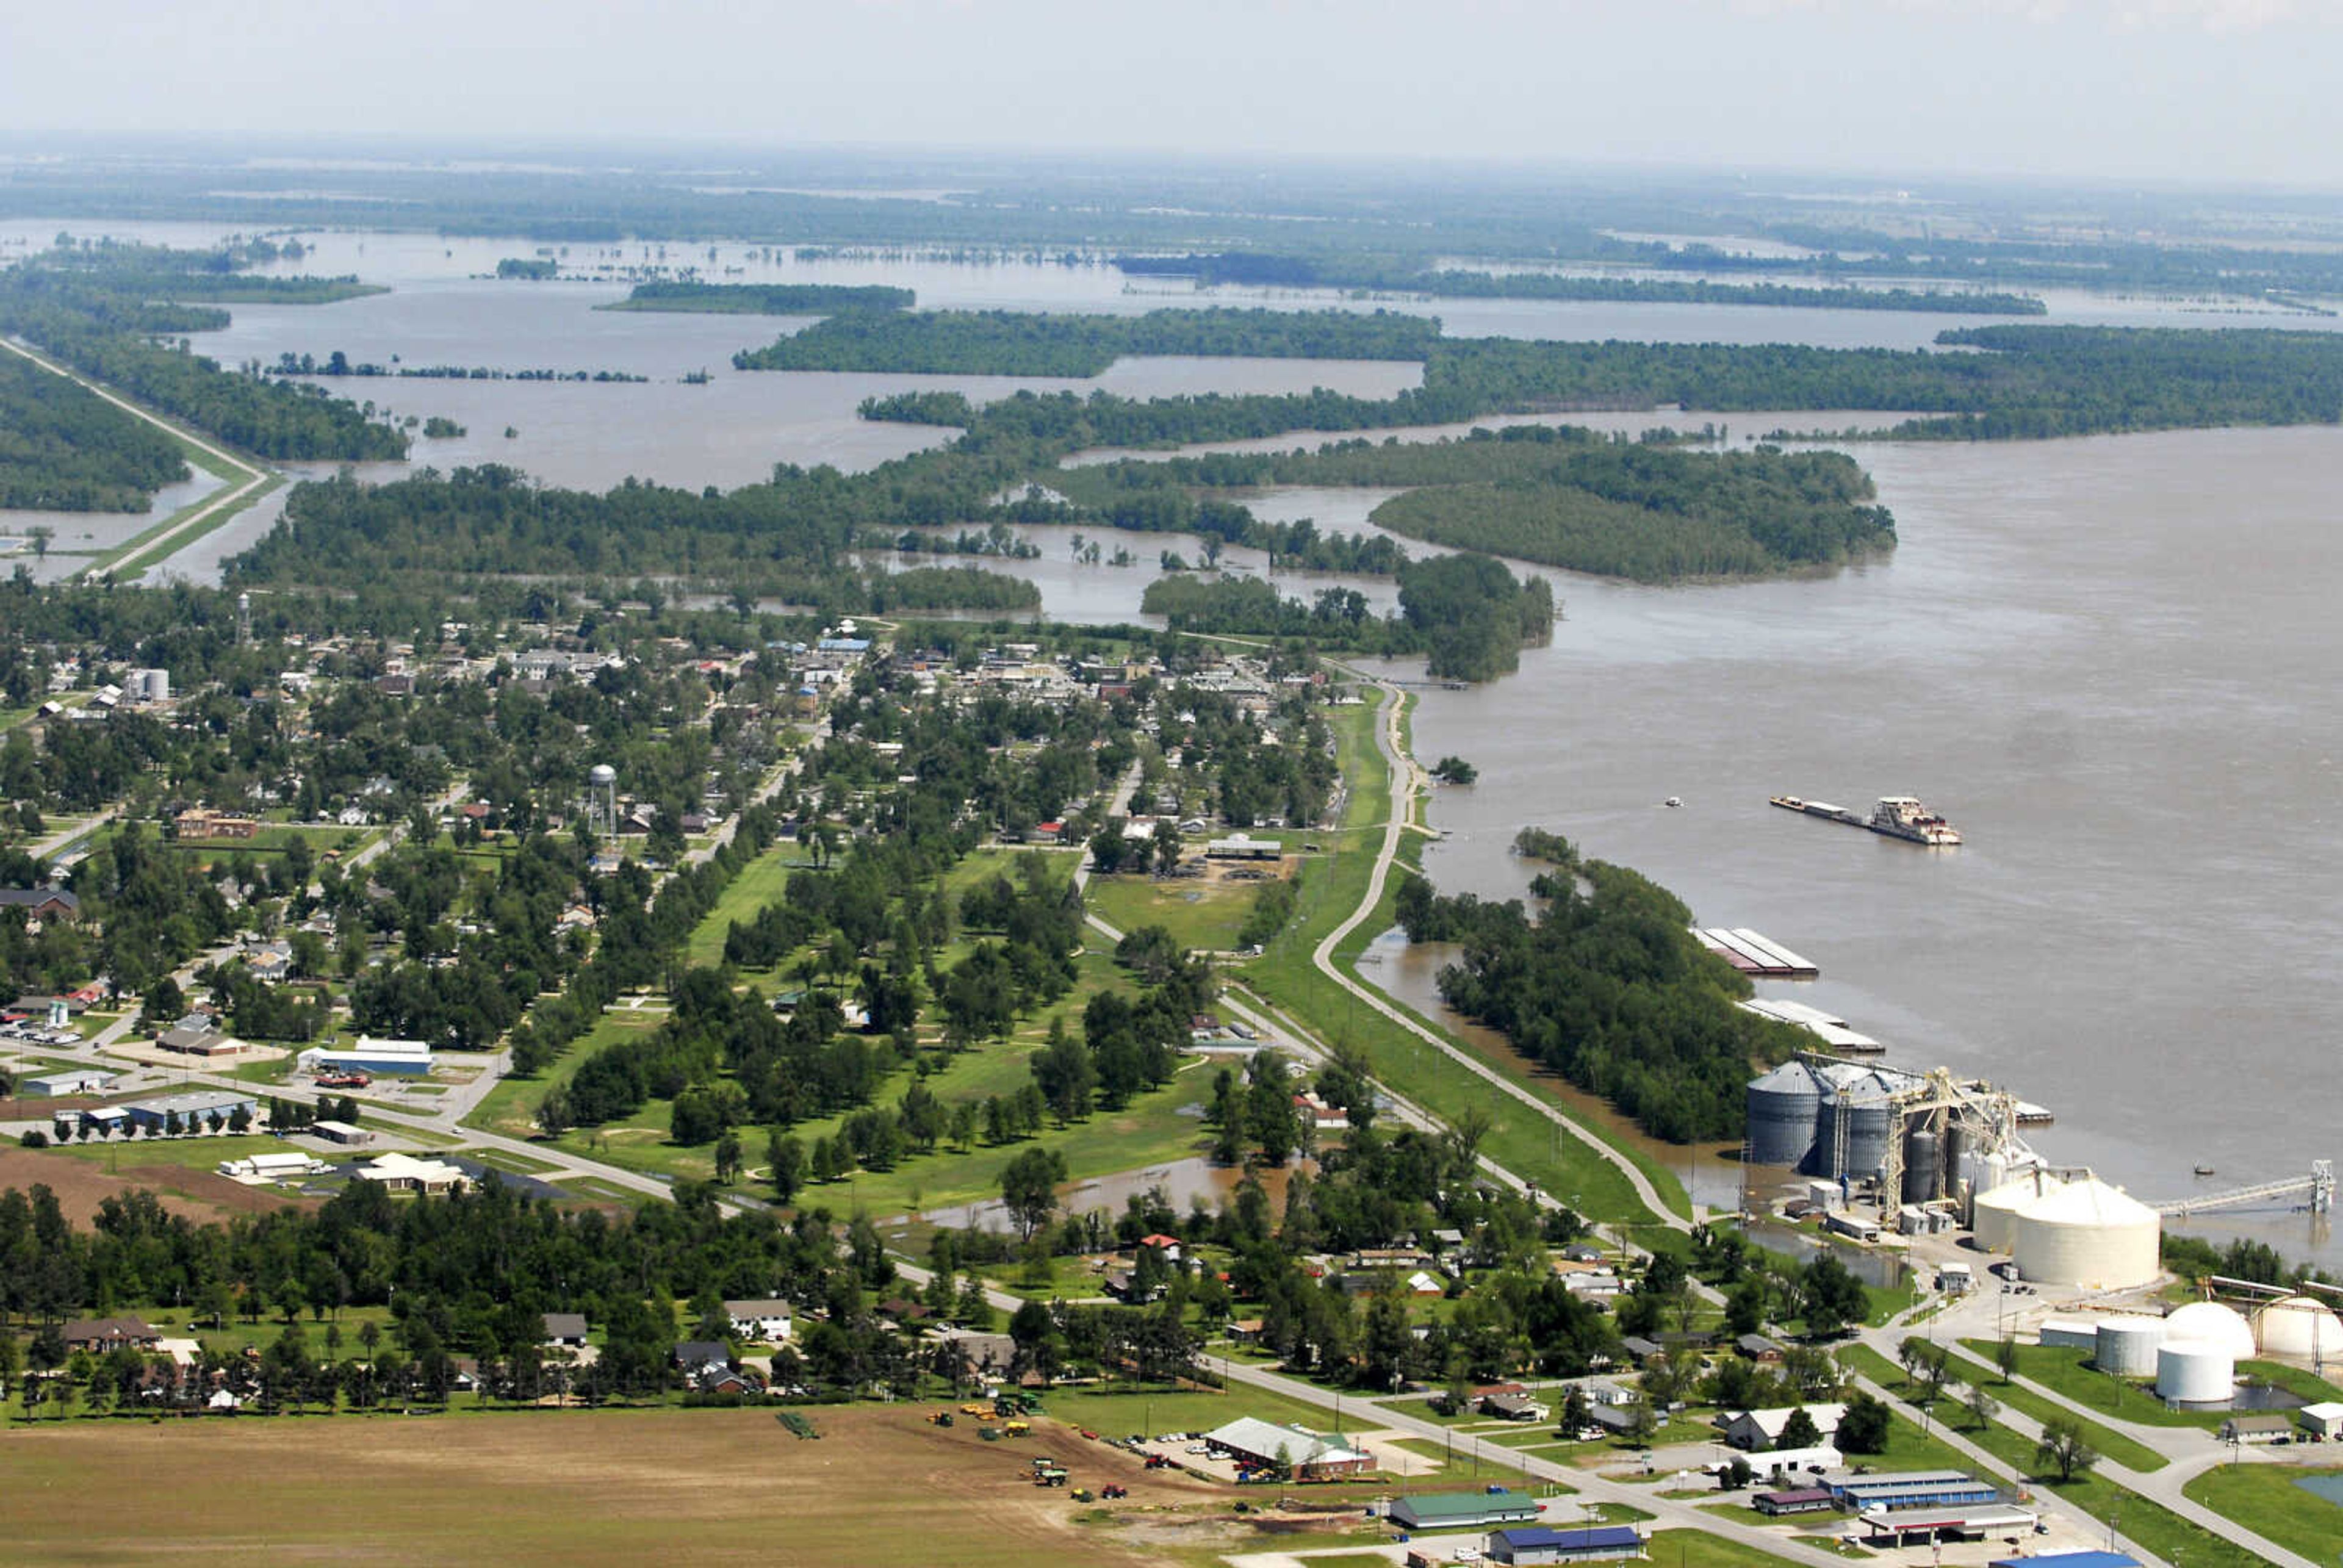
point(762, 299)
point(1255, 269)
point(1023, 343)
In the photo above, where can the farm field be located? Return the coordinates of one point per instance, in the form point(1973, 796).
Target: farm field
point(619, 1486)
point(82, 1184)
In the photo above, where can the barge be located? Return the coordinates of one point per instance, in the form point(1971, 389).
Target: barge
point(1895, 817)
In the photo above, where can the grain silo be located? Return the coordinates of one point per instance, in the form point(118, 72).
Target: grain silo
point(2088, 1234)
point(2126, 1346)
point(2195, 1371)
point(2210, 1322)
point(1996, 1217)
point(1784, 1106)
point(2299, 1328)
point(1856, 1120)
point(1924, 1161)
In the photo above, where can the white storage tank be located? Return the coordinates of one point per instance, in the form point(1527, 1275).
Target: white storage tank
point(2299, 1328)
point(1996, 1210)
point(2088, 1234)
point(2126, 1346)
point(2210, 1322)
point(2195, 1373)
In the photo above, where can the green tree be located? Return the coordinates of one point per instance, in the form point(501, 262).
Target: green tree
point(1028, 1187)
point(1864, 1428)
point(2063, 1448)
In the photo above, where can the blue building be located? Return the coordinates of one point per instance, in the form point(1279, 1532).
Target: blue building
point(1580, 1544)
point(1912, 1489)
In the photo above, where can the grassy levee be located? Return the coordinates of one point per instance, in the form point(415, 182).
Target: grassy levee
point(146, 557)
point(1285, 976)
point(2267, 1500)
point(2148, 1522)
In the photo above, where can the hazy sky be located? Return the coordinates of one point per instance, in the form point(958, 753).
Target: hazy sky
point(2177, 89)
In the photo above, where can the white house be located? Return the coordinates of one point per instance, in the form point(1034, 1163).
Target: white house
point(766, 1322)
point(1756, 1430)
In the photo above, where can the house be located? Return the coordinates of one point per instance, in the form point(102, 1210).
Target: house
point(1577, 1543)
point(99, 1335)
point(1167, 1245)
point(697, 1355)
point(1309, 1455)
point(2263, 1428)
point(1760, 1349)
point(565, 1329)
point(1797, 1500)
point(42, 903)
point(348, 1134)
point(1512, 1407)
point(1420, 1283)
point(1244, 1330)
point(1756, 1430)
point(766, 1322)
point(984, 1351)
point(713, 1379)
point(1640, 1350)
point(1613, 1420)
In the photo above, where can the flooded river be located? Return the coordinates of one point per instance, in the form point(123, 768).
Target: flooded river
point(2110, 661)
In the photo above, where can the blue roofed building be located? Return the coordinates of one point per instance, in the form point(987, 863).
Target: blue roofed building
point(2070, 1560)
point(1861, 1489)
point(1578, 1543)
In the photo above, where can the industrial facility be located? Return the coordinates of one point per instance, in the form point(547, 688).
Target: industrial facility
point(1930, 1152)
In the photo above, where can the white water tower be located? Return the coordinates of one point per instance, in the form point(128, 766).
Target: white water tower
point(602, 801)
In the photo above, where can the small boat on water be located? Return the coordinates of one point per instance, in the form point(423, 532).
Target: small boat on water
point(2204, 1171)
point(1674, 800)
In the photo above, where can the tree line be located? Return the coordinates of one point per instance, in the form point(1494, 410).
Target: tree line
point(764, 299)
point(1027, 343)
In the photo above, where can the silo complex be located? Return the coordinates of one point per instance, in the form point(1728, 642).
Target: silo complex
point(2088, 1234)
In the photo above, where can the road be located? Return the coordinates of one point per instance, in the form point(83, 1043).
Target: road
point(254, 479)
point(1406, 781)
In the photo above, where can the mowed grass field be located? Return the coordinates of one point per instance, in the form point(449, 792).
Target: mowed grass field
point(880, 1486)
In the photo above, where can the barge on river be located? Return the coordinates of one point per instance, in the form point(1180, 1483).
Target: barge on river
point(1895, 817)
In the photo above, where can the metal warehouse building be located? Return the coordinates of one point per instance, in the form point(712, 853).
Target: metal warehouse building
point(1862, 1491)
point(1586, 1543)
point(1464, 1510)
point(369, 1055)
